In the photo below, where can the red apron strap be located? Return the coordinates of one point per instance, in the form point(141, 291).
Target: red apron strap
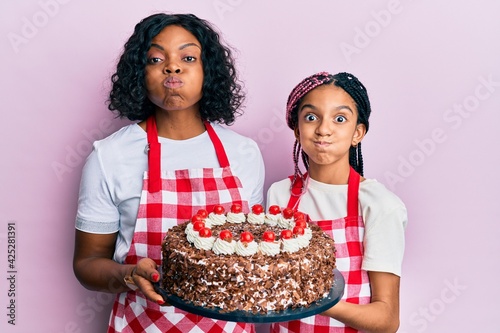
point(154, 152)
point(219, 148)
point(154, 156)
point(296, 191)
point(352, 193)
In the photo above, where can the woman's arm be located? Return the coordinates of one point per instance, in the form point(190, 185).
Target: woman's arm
point(381, 315)
point(96, 270)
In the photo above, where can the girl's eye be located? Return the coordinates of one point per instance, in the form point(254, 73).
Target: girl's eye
point(190, 59)
point(310, 117)
point(340, 119)
point(154, 60)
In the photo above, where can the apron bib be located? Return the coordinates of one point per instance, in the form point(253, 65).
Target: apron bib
point(169, 198)
point(348, 235)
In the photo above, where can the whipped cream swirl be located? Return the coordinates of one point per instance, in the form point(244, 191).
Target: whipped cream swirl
point(246, 249)
point(285, 223)
point(308, 233)
point(204, 243)
point(235, 217)
point(216, 219)
point(190, 233)
point(256, 218)
point(290, 245)
point(272, 219)
point(224, 247)
point(302, 240)
point(269, 248)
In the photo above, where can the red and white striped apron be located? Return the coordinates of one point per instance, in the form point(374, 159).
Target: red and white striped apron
point(169, 198)
point(348, 235)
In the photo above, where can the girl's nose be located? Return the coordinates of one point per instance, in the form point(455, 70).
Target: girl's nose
point(324, 128)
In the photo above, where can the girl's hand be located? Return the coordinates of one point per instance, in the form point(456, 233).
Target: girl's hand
point(144, 274)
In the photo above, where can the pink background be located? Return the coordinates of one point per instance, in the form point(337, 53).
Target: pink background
point(433, 74)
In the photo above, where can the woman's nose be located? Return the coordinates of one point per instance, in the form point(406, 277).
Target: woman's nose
point(172, 68)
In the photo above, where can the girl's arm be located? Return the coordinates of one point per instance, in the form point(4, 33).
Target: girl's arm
point(96, 270)
point(381, 315)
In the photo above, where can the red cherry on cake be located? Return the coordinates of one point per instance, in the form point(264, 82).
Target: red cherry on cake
point(226, 235)
point(205, 232)
point(196, 218)
point(236, 208)
point(288, 213)
point(274, 209)
point(257, 209)
point(268, 236)
point(219, 210)
point(286, 234)
point(198, 225)
point(299, 216)
point(301, 223)
point(203, 213)
point(246, 237)
point(298, 230)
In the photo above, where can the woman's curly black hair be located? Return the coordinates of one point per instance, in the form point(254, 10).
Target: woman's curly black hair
point(222, 91)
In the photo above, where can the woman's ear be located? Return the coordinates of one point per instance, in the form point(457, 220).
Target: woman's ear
point(359, 134)
point(296, 132)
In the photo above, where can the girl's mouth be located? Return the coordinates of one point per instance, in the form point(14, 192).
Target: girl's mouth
point(321, 143)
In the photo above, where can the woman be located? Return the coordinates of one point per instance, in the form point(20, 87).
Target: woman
point(178, 80)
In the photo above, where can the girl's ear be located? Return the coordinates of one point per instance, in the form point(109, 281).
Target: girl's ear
point(296, 132)
point(359, 134)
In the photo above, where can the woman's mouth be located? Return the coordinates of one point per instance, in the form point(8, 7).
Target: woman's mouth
point(173, 82)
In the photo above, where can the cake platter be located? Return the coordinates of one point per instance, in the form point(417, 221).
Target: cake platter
point(315, 308)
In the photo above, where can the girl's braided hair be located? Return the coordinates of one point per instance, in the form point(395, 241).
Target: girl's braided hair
point(351, 85)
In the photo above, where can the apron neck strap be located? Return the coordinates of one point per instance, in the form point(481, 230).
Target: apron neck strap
point(154, 152)
point(352, 193)
point(297, 190)
point(154, 156)
point(219, 148)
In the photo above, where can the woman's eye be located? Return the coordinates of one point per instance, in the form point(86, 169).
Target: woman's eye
point(340, 119)
point(310, 117)
point(189, 59)
point(154, 60)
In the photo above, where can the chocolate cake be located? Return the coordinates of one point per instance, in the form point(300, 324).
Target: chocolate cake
point(253, 262)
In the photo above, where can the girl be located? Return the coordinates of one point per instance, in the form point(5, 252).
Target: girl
point(329, 116)
point(178, 81)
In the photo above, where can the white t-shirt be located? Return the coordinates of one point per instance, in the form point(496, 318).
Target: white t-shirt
point(384, 215)
point(112, 177)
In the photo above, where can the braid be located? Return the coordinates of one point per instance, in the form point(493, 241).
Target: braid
point(356, 159)
point(297, 150)
point(360, 161)
point(351, 85)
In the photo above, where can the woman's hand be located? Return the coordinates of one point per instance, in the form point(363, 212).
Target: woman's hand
point(95, 268)
point(144, 274)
